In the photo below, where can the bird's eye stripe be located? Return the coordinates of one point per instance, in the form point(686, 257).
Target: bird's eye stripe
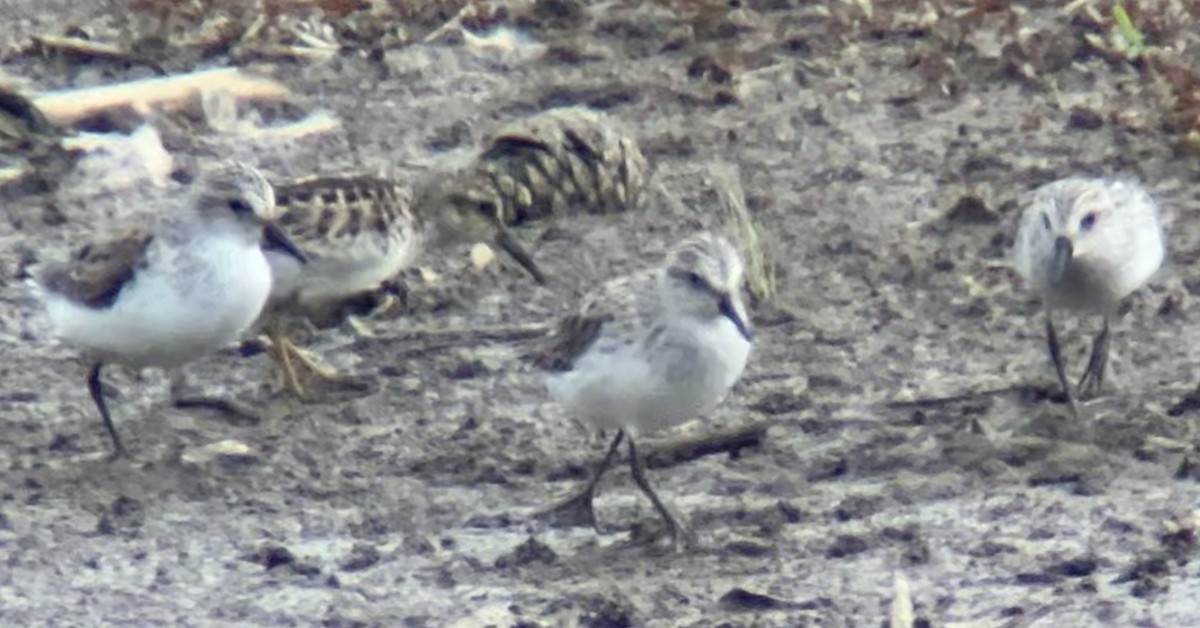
point(693, 278)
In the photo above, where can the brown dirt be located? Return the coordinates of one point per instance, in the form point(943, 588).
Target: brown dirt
point(905, 373)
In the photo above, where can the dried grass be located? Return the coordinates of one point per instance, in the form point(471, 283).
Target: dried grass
point(760, 269)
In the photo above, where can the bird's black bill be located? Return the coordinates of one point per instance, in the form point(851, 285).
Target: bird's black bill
point(731, 313)
point(1063, 252)
point(506, 241)
point(274, 239)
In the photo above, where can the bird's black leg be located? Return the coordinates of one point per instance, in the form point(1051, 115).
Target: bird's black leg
point(680, 535)
point(97, 389)
point(1056, 357)
point(577, 509)
point(1093, 378)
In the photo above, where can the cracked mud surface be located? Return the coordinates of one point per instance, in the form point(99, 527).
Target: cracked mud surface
point(902, 368)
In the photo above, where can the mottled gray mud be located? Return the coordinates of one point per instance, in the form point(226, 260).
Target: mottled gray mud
point(902, 368)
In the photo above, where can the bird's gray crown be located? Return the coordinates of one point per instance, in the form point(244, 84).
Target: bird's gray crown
point(234, 187)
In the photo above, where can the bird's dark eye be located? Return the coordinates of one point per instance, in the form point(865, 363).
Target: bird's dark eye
point(488, 208)
point(1046, 220)
point(239, 206)
point(697, 281)
point(1088, 221)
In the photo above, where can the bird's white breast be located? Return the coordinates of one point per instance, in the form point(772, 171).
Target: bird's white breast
point(186, 302)
point(646, 386)
point(341, 271)
point(1100, 278)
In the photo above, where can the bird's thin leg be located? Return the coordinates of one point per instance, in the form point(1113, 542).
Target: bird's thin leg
point(97, 390)
point(1093, 378)
point(310, 361)
point(387, 297)
point(358, 327)
point(1056, 357)
point(577, 509)
point(283, 358)
point(680, 535)
point(391, 299)
point(295, 363)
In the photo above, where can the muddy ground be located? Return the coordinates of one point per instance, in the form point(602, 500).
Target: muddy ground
point(901, 366)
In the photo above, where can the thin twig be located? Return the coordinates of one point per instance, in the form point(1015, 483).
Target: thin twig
point(733, 440)
point(500, 333)
point(971, 395)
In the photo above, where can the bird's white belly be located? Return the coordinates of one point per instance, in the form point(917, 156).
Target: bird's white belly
point(640, 392)
point(338, 274)
point(176, 310)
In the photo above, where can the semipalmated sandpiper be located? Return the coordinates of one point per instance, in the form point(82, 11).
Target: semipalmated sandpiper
point(1084, 245)
point(359, 232)
point(650, 351)
point(174, 288)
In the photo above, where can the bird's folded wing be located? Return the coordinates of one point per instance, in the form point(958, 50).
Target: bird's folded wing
point(328, 206)
point(576, 333)
point(98, 271)
point(616, 311)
